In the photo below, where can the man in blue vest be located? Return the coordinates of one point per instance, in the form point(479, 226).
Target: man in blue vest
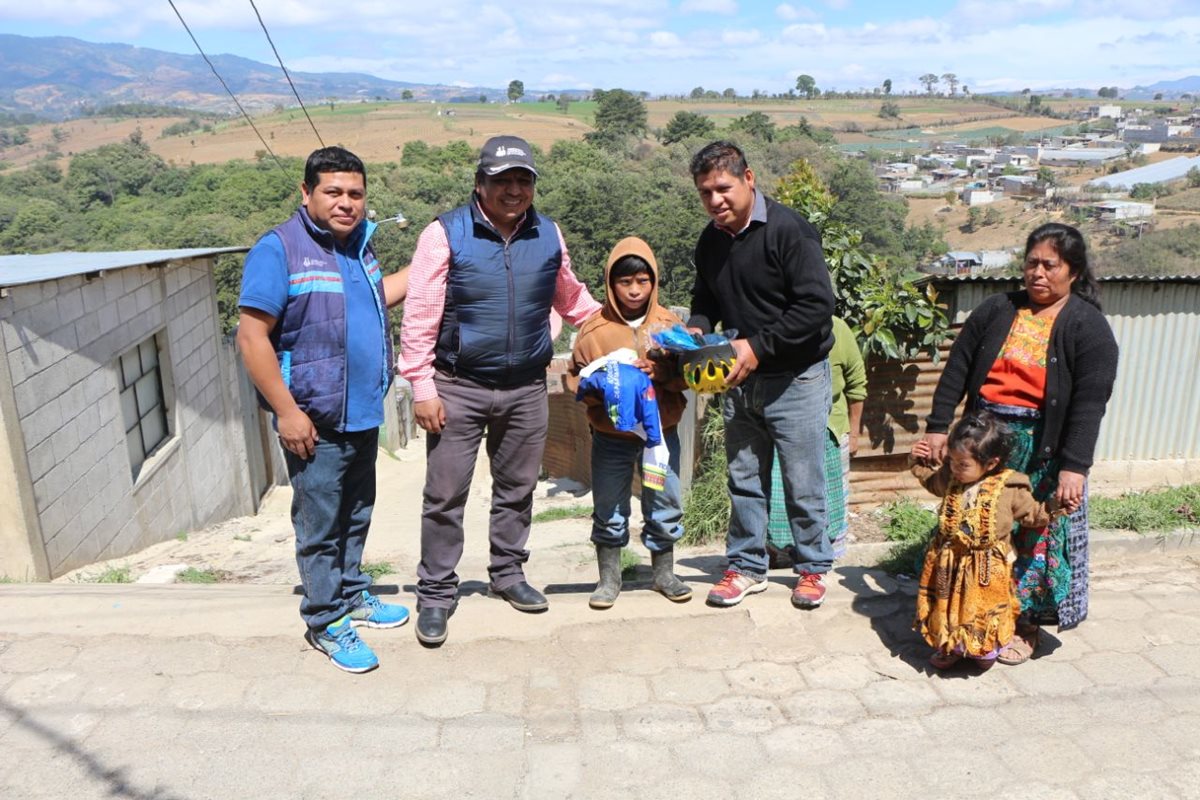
point(314, 338)
point(475, 345)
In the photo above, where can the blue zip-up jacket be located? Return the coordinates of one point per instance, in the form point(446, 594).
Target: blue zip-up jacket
point(496, 326)
point(310, 335)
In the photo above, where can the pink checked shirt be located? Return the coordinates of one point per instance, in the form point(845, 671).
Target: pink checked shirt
point(426, 303)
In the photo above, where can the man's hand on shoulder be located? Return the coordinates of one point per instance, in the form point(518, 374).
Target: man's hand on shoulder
point(430, 414)
point(297, 433)
point(747, 362)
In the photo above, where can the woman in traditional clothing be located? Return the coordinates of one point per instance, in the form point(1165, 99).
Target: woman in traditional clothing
point(848, 373)
point(1043, 360)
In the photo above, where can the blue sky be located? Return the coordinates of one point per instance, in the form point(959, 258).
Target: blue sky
point(668, 46)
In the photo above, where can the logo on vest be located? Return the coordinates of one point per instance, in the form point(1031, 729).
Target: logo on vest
point(313, 262)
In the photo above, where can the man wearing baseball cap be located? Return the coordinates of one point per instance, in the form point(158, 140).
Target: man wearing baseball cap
point(475, 344)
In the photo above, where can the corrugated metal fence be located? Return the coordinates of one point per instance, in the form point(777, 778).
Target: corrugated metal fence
point(1154, 412)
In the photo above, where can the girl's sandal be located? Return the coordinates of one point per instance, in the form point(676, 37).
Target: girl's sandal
point(940, 660)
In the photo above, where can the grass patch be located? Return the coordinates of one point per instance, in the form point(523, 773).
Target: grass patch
point(113, 574)
point(563, 512)
point(241, 537)
point(1163, 510)
point(909, 527)
point(630, 561)
point(194, 575)
point(6, 579)
point(377, 569)
point(181, 536)
point(706, 507)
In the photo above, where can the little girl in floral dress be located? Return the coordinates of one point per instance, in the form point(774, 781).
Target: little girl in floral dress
point(966, 603)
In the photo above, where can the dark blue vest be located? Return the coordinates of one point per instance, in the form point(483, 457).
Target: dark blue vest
point(496, 326)
point(310, 336)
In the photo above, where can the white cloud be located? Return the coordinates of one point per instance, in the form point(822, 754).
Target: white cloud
point(790, 13)
point(737, 38)
point(665, 39)
point(728, 7)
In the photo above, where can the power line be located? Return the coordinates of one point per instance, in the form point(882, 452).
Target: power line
point(285, 73)
point(227, 89)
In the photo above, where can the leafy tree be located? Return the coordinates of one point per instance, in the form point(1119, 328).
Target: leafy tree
point(890, 317)
point(1046, 177)
point(807, 86)
point(564, 101)
point(887, 86)
point(729, 94)
point(889, 110)
point(861, 206)
point(951, 80)
point(112, 170)
point(516, 90)
point(756, 124)
point(406, 94)
point(930, 80)
point(687, 125)
point(1193, 178)
point(619, 115)
point(698, 93)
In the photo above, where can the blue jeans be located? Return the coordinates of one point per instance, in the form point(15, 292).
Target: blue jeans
point(788, 414)
point(613, 463)
point(333, 495)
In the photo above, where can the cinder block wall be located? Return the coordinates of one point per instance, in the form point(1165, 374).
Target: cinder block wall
point(61, 342)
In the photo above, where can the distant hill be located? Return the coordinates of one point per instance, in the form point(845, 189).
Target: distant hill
point(57, 77)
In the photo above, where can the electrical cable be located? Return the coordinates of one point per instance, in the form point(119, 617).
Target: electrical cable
point(227, 89)
point(285, 73)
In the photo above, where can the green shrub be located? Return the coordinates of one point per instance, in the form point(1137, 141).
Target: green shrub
point(376, 569)
point(194, 575)
point(114, 574)
point(629, 563)
point(563, 512)
point(1165, 510)
point(910, 527)
point(706, 507)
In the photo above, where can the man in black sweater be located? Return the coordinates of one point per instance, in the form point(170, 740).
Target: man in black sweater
point(760, 269)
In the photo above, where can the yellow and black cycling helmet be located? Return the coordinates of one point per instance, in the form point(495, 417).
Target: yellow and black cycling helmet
point(706, 369)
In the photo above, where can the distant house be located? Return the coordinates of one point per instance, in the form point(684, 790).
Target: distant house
point(978, 197)
point(1117, 210)
point(1017, 184)
point(1015, 159)
point(1109, 111)
point(1079, 156)
point(121, 410)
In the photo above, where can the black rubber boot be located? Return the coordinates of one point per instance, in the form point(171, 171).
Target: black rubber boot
point(609, 561)
point(664, 577)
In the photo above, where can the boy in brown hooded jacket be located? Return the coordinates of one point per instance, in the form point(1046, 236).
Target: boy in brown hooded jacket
point(631, 313)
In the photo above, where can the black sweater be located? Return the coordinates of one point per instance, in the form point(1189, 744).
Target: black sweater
point(770, 282)
point(1081, 367)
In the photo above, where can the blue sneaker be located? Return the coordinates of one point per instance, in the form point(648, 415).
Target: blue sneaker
point(340, 642)
point(374, 613)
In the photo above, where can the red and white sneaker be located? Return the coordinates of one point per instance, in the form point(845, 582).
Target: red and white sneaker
point(732, 587)
point(809, 591)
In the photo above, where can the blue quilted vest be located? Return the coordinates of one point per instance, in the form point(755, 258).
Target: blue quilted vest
point(310, 335)
point(496, 326)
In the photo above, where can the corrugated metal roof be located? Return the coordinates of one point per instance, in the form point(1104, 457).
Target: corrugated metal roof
point(23, 269)
point(1172, 169)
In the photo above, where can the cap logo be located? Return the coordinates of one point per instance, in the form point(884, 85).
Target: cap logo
point(503, 151)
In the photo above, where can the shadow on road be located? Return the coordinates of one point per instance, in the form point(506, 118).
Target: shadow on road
point(112, 779)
